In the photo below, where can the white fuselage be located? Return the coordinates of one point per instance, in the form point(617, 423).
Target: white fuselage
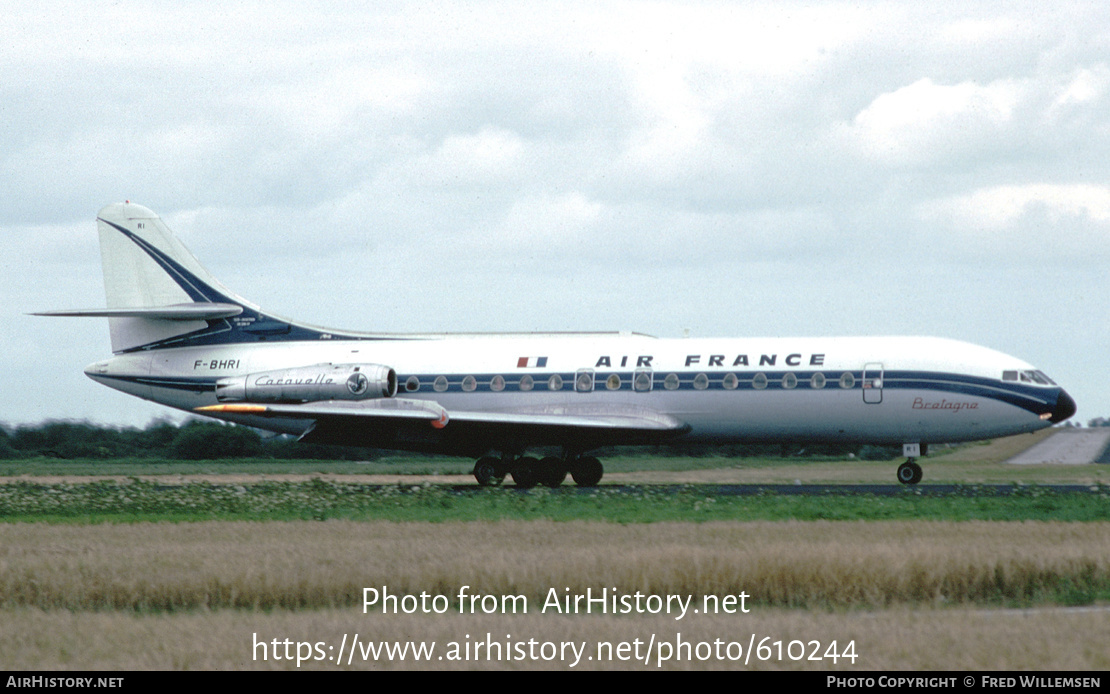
point(882, 390)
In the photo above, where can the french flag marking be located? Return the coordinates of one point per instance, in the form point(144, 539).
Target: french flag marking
point(531, 362)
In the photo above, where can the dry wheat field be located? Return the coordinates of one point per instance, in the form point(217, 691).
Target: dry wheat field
point(205, 595)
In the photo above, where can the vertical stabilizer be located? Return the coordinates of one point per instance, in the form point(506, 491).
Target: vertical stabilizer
point(160, 296)
point(146, 267)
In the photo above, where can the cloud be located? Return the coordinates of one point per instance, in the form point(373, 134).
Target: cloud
point(1001, 206)
point(1086, 86)
point(925, 122)
point(1037, 223)
point(595, 159)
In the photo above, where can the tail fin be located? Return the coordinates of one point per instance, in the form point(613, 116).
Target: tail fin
point(158, 295)
point(147, 268)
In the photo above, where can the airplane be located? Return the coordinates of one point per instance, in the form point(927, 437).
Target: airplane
point(182, 339)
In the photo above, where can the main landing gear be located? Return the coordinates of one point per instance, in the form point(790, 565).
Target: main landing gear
point(528, 472)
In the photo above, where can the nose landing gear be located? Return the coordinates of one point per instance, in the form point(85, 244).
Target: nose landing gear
point(909, 472)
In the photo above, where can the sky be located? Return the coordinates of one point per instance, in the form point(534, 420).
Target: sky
point(724, 169)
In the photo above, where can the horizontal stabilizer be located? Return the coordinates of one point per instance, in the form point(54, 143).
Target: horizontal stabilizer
point(186, 312)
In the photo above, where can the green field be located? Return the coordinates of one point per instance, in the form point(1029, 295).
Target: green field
point(654, 488)
point(138, 500)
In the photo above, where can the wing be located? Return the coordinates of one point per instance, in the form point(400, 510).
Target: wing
point(425, 425)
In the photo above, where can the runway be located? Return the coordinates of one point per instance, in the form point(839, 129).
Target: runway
point(1068, 446)
point(891, 490)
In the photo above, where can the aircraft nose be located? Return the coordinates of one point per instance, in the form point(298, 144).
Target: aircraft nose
point(1065, 407)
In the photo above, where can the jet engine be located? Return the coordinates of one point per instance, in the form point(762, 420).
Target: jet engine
point(311, 383)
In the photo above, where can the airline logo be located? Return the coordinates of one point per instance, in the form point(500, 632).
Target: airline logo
point(531, 362)
point(358, 383)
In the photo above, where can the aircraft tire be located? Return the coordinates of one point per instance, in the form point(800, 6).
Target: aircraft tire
point(552, 472)
point(909, 472)
point(526, 473)
point(586, 471)
point(487, 473)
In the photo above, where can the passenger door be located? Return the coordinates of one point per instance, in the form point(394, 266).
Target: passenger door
point(873, 383)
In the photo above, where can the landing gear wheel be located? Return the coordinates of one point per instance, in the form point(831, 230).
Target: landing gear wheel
point(909, 472)
point(586, 471)
point(488, 473)
point(526, 473)
point(552, 472)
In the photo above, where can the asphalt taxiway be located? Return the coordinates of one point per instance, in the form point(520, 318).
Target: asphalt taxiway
point(1068, 446)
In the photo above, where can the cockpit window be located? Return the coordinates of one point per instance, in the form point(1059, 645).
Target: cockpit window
point(1037, 377)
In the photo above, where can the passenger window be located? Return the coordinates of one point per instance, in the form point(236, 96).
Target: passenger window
point(526, 383)
point(671, 382)
point(642, 380)
point(613, 382)
point(469, 383)
point(555, 382)
point(701, 381)
point(759, 381)
point(847, 380)
point(730, 382)
point(440, 384)
point(412, 384)
point(497, 384)
point(789, 381)
point(584, 382)
point(817, 381)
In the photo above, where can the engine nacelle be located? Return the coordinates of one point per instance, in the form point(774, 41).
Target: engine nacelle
point(311, 383)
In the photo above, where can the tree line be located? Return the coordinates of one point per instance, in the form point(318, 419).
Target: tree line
point(193, 440)
point(205, 440)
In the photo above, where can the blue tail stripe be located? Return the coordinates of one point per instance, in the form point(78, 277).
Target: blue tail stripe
point(189, 283)
point(221, 331)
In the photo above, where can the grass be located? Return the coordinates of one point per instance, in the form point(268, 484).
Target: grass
point(958, 640)
point(139, 500)
point(51, 467)
point(175, 571)
point(303, 565)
